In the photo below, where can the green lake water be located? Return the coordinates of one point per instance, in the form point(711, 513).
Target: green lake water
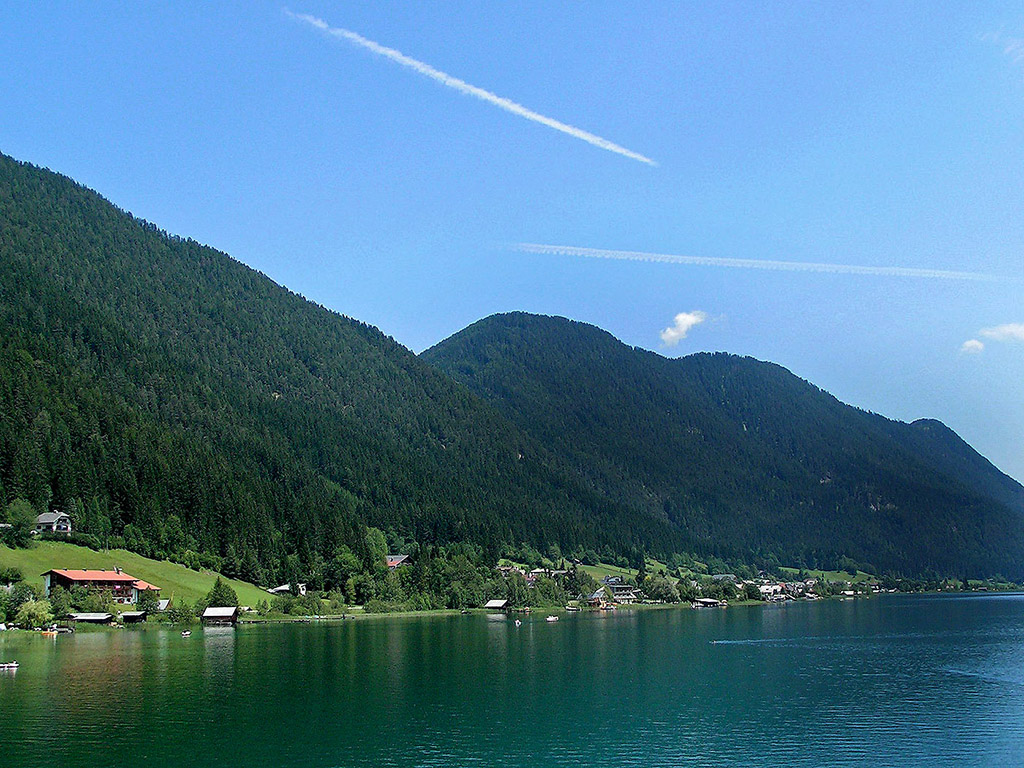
point(892, 681)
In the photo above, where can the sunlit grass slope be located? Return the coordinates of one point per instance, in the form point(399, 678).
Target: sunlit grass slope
point(174, 580)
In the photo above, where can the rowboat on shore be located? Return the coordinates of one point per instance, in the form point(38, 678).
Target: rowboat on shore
point(9, 665)
point(186, 633)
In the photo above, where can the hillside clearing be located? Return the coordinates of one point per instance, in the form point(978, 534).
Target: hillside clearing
point(175, 581)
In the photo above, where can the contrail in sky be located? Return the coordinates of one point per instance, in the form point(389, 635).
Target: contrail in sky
point(784, 266)
point(470, 90)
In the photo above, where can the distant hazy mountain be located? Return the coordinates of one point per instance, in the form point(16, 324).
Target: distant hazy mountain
point(742, 455)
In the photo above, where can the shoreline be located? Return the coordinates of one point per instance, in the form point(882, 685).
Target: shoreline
point(560, 611)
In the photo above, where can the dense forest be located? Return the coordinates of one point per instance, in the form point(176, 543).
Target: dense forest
point(744, 457)
point(178, 403)
point(167, 396)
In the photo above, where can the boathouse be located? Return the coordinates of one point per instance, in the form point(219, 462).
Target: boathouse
point(92, 618)
point(496, 605)
point(220, 617)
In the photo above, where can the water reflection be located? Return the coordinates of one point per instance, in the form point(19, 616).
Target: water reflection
point(904, 681)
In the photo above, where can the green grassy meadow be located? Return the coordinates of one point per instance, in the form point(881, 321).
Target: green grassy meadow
point(175, 581)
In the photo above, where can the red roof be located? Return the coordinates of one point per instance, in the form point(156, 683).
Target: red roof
point(92, 575)
point(140, 584)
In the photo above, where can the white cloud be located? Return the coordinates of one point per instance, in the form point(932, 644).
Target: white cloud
point(1012, 47)
point(1006, 332)
point(784, 266)
point(684, 321)
point(470, 90)
point(972, 347)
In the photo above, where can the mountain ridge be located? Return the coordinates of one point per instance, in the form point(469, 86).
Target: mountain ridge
point(184, 405)
point(641, 423)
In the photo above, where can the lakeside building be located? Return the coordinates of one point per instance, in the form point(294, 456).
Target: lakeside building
point(707, 602)
point(92, 618)
point(597, 600)
point(496, 605)
point(123, 588)
point(220, 617)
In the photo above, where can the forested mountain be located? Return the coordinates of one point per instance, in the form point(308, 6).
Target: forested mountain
point(741, 455)
point(163, 393)
point(179, 403)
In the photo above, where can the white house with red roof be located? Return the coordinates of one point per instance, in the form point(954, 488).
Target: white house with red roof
point(123, 588)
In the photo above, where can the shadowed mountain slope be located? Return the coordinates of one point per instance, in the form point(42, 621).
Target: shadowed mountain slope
point(741, 455)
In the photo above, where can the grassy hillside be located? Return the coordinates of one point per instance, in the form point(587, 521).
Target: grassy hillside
point(174, 580)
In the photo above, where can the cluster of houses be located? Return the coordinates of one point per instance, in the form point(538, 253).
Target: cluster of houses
point(614, 590)
point(774, 591)
point(531, 576)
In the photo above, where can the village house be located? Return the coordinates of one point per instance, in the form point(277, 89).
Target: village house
point(620, 591)
point(397, 561)
point(795, 588)
point(53, 522)
point(625, 594)
point(597, 600)
point(300, 589)
point(123, 588)
point(770, 590)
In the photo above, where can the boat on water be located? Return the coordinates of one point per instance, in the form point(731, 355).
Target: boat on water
point(9, 665)
point(519, 623)
point(186, 633)
point(551, 618)
point(48, 633)
point(572, 607)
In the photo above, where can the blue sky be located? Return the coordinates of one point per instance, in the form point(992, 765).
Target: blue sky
point(870, 134)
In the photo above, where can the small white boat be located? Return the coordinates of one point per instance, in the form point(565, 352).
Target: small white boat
point(519, 623)
point(9, 665)
point(186, 633)
point(551, 618)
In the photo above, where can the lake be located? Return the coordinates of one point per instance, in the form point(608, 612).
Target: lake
point(895, 680)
